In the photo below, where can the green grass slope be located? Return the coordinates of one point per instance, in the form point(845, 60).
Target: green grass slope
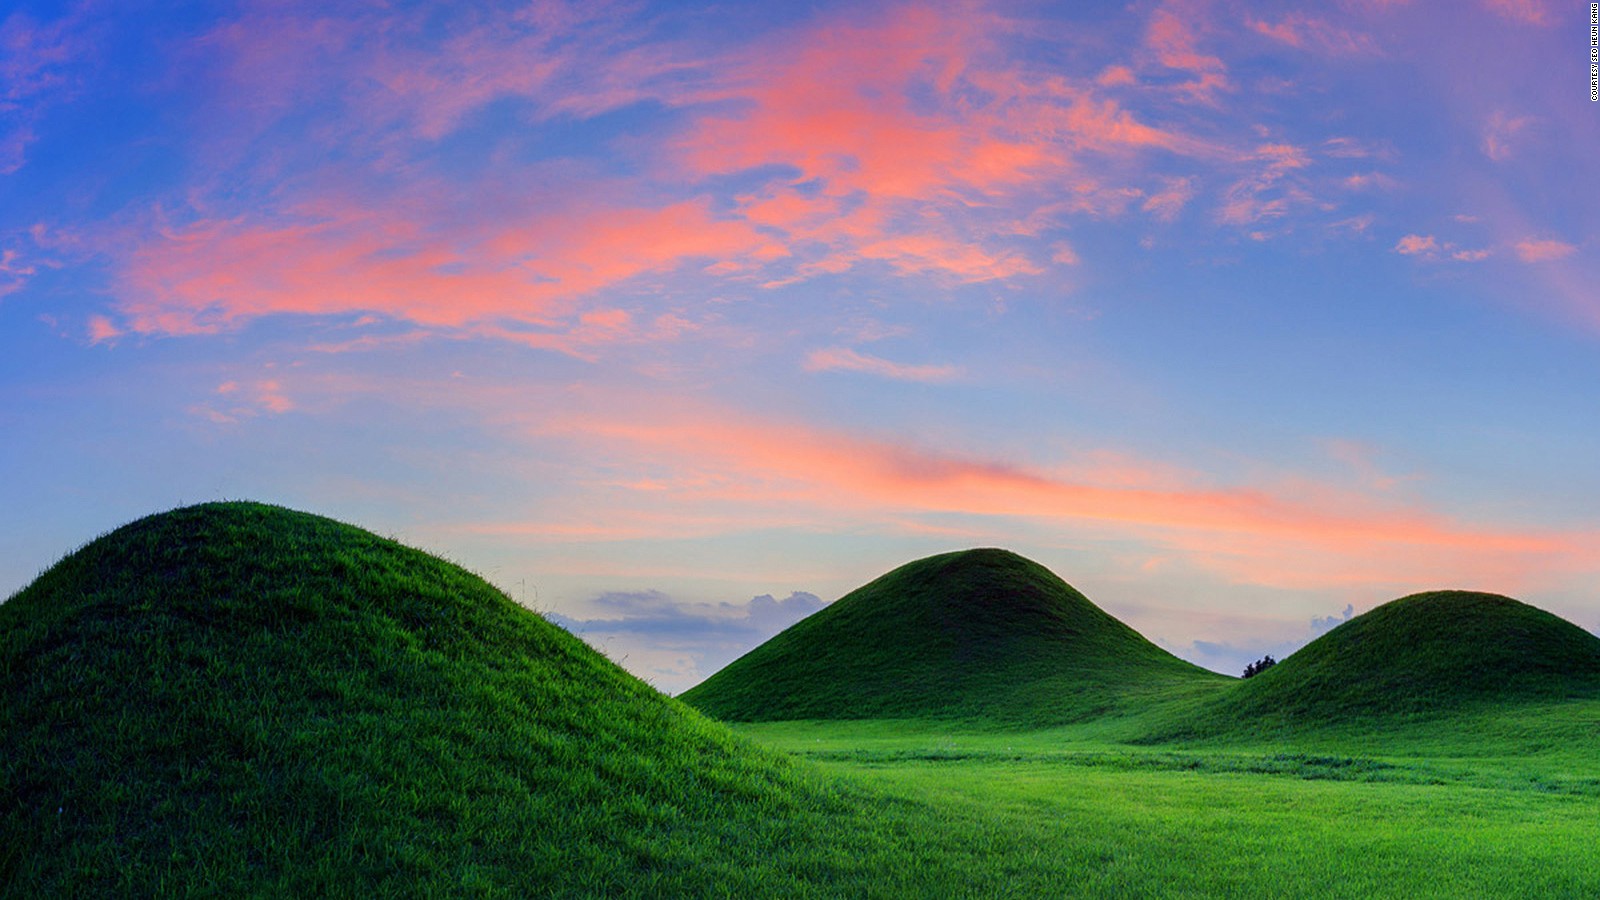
point(981, 635)
point(1420, 658)
point(238, 699)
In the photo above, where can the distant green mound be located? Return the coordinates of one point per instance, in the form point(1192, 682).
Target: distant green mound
point(236, 699)
point(977, 635)
point(1419, 656)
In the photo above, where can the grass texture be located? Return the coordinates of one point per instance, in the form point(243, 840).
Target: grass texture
point(980, 635)
point(240, 700)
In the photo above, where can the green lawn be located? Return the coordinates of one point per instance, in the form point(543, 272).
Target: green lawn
point(1095, 819)
point(241, 700)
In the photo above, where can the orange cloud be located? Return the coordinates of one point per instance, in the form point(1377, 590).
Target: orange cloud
point(1239, 530)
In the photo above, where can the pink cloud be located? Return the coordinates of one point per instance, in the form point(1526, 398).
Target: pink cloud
point(101, 330)
point(1062, 253)
point(13, 272)
point(1470, 255)
point(1535, 250)
point(1417, 244)
point(34, 54)
point(217, 274)
point(1269, 191)
point(1301, 31)
point(1498, 134)
point(1369, 180)
point(965, 262)
point(1172, 34)
point(844, 359)
point(36, 62)
point(583, 61)
point(237, 402)
point(14, 149)
point(1532, 12)
point(834, 102)
point(213, 275)
point(1168, 202)
point(921, 144)
point(915, 110)
point(1116, 76)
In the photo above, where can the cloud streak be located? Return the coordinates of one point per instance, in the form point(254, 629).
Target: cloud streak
point(844, 359)
point(1252, 533)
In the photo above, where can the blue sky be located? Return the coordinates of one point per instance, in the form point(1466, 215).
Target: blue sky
point(1233, 314)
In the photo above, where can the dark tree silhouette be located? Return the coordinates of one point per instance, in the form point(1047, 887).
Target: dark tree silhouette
point(1259, 666)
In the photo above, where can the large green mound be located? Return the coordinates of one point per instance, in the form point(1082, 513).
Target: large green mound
point(238, 699)
point(1421, 656)
point(978, 634)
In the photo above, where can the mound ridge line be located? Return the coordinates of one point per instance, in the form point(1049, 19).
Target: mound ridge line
point(982, 635)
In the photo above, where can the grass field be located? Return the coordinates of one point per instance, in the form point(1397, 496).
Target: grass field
point(1104, 819)
point(241, 700)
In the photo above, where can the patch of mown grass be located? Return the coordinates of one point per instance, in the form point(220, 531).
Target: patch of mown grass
point(983, 636)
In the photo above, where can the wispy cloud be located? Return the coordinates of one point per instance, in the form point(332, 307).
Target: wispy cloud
point(37, 59)
point(1307, 32)
point(909, 139)
point(831, 359)
point(1251, 533)
point(233, 401)
point(1531, 12)
point(1500, 132)
point(1535, 250)
point(1173, 34)
point(14, 273)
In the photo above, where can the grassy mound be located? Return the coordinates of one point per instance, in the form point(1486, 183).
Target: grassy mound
point(239, 699)
point(977, 634)
point(1418, 657)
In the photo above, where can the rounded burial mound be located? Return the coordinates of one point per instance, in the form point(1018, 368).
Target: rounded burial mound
point(977, 634)
point(1423, 654)
point(237, 699)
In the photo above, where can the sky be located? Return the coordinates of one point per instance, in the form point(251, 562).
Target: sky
point(677, 321)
